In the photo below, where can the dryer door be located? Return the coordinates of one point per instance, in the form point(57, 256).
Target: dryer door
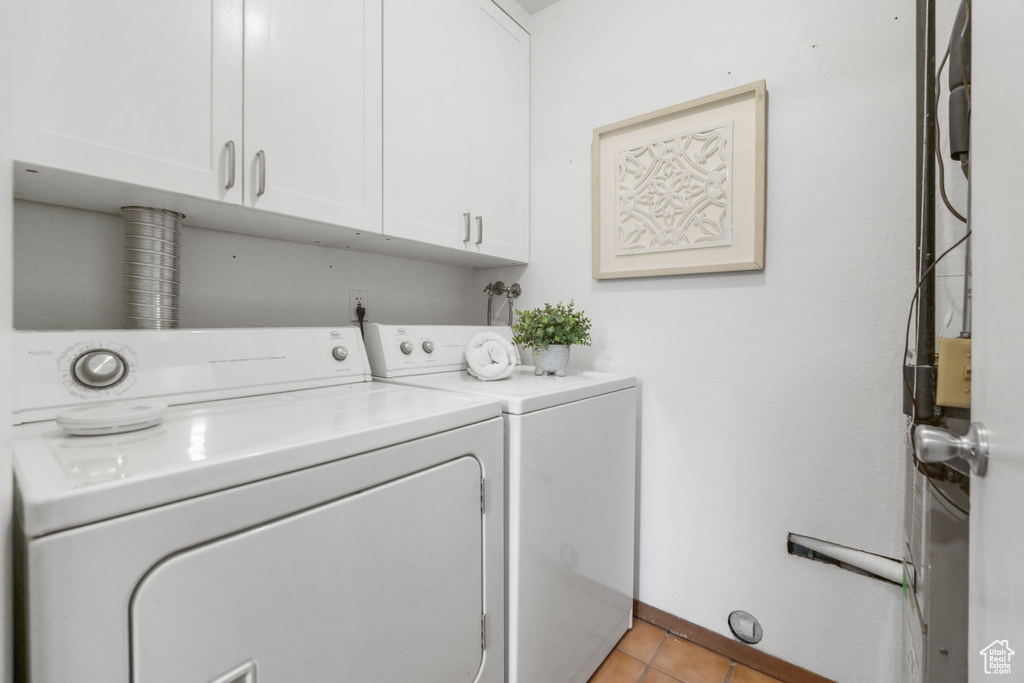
point(383, 585)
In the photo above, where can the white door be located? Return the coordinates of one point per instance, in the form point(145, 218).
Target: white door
point(496, 78)
point(379, 587)
point(426, 173)
point(148, 93)
point(997, 396)
point(313, 109)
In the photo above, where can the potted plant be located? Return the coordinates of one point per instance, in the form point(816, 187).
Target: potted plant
point(550, 331)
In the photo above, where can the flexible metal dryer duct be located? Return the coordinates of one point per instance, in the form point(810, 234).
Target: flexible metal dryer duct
point(151, 280)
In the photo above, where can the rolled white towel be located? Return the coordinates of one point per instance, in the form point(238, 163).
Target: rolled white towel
point(491, 356)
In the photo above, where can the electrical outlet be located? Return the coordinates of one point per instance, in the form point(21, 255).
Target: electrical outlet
point(356, 297)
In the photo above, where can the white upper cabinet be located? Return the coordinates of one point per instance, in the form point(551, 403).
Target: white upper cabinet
point(456, 126)
point(497, 91)
point(148, 93)
point(407, 117)
point(426, 177)
point(313, 109)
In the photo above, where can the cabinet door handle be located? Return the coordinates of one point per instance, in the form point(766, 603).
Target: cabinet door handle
point(465, 218)
point(480, 229)
point(231, 164)
point(261, 159)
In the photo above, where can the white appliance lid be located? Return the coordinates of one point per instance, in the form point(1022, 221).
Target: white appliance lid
point(525, 392)
point(67, 481)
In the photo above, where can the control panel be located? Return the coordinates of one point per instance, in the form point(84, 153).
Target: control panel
point(404, 350)
point(57, 370)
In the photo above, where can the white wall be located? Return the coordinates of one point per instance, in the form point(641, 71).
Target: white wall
point(67, 275)
point(771, 400)
point(7, 62)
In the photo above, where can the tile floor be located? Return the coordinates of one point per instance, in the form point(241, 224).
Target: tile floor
point(649, 654)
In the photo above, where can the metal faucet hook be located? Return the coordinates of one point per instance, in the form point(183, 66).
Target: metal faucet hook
point(492, 289)
point(512, 292)
point(498, 287)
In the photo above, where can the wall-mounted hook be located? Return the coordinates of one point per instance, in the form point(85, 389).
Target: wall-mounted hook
point(492, 289)
point(512, 292)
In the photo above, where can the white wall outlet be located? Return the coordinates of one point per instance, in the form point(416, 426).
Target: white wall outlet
point(356, 297)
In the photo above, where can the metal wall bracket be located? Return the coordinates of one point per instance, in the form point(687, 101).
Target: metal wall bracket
point(497, 289)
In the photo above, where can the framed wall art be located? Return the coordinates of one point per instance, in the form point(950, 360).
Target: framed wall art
point(682, 189)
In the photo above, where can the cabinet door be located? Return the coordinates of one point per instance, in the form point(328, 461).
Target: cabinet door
point(148, 93)
point(313, 109)
point(426, 180)
point(496, 71)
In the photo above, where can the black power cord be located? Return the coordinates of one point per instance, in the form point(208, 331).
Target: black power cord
point(361, 313)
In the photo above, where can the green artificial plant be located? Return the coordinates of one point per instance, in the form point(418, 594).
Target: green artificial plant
point(558, 324)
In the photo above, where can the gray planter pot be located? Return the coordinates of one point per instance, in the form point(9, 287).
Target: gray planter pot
point(551, 359)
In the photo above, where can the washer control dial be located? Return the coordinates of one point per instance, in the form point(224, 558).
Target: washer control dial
point(339, 353)
point(406, 347)
point(428, 346)
point(99, 369)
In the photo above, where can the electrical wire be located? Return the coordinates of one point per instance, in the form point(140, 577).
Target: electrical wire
point(917, 289)
point(967, 93)
point(938, 143)
point(943, 496)
point(906, 382)
point(910, 315)
point(949, 206)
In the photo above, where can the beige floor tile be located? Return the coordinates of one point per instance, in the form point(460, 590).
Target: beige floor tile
point(691, 663)
point(619, 668)
point(655, 676)
point(742, 674)
point(642, 640)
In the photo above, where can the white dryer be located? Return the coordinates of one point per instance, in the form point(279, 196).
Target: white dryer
point(288, 521)
point(570, 449)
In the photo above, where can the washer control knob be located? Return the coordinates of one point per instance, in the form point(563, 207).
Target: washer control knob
point(99, 369)
point(406, 347)
point(339, 353)
point(428, 346)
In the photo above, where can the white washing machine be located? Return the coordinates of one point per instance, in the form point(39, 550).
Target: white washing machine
point(288, 521)
point(570, 449)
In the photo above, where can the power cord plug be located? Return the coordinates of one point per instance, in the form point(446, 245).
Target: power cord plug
point(361, 313)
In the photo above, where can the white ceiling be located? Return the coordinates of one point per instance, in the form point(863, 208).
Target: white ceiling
point(534, 6)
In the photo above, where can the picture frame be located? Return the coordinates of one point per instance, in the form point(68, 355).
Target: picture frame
point(681, 190)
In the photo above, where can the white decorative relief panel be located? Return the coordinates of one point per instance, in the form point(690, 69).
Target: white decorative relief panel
point(675, 193)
